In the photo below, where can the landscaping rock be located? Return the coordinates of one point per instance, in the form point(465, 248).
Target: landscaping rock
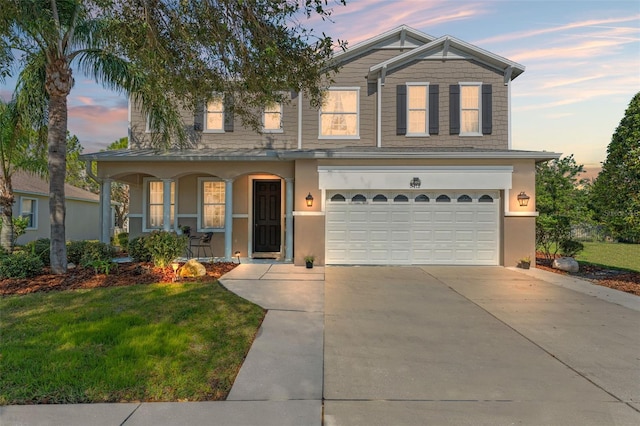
point(193, 268)
point(567, 264)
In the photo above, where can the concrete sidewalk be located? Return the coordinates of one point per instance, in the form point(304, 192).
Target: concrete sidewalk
point(475, 346)
point(280, 382)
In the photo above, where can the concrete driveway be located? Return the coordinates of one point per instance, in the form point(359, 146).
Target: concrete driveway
point(476, 346)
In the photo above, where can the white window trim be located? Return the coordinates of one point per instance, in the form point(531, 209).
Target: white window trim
point(145, 203)
point(204, 117)
point(479, 85)
point(357, 135)
point(426, 118)
point(281, 129)
point(201, 181)
point(34, 222)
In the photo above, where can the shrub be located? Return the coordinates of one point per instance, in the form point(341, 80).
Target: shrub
point(138, 250)
point(85, 251)
point(122, 239)
point(569, 248)
point(165, 246)
point(41, 248)
point(21, 265)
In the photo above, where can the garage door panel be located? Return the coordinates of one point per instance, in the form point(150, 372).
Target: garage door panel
point(413, 232)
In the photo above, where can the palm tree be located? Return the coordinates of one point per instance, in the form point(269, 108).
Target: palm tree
point(21, 148)
point(52, 36)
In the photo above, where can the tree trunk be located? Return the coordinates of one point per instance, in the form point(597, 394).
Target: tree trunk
point(6, 205)
point(58, 85)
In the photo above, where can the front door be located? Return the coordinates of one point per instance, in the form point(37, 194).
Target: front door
point(266, 216)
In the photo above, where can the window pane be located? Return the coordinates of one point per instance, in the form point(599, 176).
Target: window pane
point(341, 101)
point(470, 121)
point(417, 122)
point(155, 192)
point(272, 121)
point(417, 96)
point(215, 114)
point(155, 216)
point(213, 199)
point(339, 124)
point(470, 96)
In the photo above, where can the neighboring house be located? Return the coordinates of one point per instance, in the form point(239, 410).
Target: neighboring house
point(408, 161)
point(32, 201)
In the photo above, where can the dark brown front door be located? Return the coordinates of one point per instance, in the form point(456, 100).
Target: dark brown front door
point(266, 216)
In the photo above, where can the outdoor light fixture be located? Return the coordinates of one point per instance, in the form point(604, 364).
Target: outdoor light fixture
point(523, 199)
point(309, 199)
point(175, 266)
point(237, 254)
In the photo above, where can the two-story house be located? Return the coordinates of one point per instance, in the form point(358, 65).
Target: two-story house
point(408, 161)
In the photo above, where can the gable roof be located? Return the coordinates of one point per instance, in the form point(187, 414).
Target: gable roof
point(448, 47)
point(402, 37)
point(29, 183)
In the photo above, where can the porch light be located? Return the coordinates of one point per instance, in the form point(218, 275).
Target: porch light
point(309, 199)
point(523, 199)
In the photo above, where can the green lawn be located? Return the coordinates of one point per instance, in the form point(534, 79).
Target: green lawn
point(160, 342)
point(617, 255)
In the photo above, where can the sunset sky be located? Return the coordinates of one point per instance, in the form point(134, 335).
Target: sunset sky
point(582, 60)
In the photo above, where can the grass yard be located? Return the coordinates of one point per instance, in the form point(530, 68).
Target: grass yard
point(159, 342)
point(616, 255)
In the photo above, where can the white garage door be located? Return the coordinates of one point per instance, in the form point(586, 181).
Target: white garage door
point(392, 228)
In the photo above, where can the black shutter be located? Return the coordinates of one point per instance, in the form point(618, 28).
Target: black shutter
point(454, 109)
point(434, 109)
point(228, 114)
point(487, 113)
point(198, 117)
point(401, 109)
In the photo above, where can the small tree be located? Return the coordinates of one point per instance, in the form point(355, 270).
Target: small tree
point(561, 202)
point(616, 191)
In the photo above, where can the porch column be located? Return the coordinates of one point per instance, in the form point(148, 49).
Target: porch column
point(228, 219)
point(288, 221)
point(166, 204)
point(105, 211)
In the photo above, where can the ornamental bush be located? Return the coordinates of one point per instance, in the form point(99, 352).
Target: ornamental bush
point(165, 246)
point(138, 250)
point(41, 248)
point(21, 264)
point(87, 251)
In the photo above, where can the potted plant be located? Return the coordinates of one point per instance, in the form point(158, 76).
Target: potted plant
point(309, 261)
point(525, 262)
point(186, 230)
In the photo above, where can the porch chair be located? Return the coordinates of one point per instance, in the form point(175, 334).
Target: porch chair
point(202, 242)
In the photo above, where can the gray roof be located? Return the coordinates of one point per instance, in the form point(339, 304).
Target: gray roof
point(212, 154)
point(28, 183)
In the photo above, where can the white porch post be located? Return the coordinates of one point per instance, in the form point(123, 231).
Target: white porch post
point(228, 218)
point(288, 221)
point(105, 211)
point(166, 204)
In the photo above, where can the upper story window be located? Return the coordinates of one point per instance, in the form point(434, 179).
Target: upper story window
point(417, 109)
point(214, 115)
point(470, 111)
point(155, 204)
point(272, 118)
point(212, 204)
point(339, 114)
point(28, 210)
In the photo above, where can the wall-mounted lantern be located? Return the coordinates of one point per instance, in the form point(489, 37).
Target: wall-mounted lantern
point(523, 199)
point(309, 199)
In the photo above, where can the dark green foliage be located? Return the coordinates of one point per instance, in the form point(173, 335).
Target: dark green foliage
point(562, 201)
point(138, 250)
point(85, 251)
point(165, 246)
point(616, 191)
point(570, 248)
point(20, 264)
point(123, 240)
point(40, 248)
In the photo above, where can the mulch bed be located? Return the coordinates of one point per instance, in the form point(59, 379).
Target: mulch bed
point(621, 280)
point(125, 274)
